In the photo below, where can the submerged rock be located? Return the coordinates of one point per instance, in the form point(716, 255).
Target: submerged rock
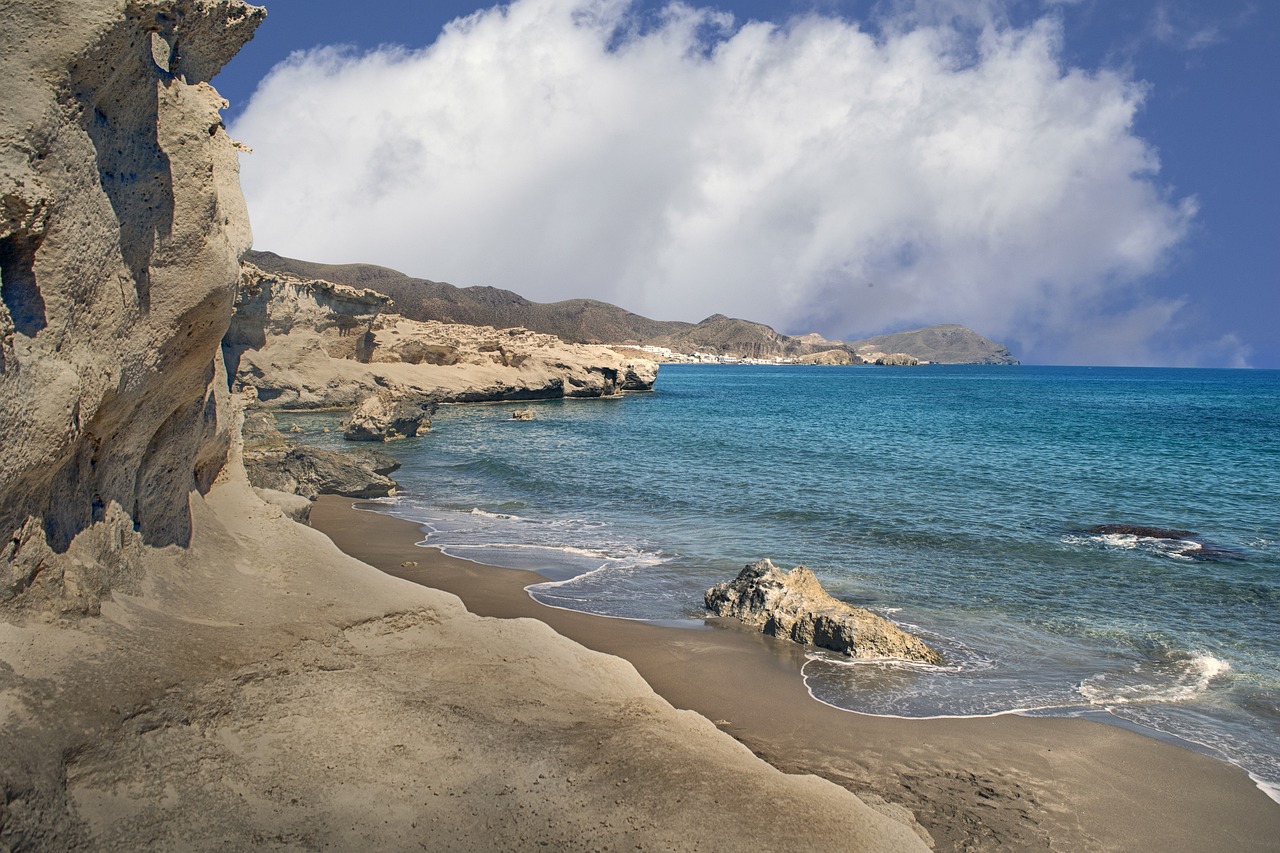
point(522, 415)
point(1140, 530)
point(794, 605)
point(1198, 548)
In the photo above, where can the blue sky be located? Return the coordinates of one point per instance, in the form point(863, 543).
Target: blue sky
point(1088, 181)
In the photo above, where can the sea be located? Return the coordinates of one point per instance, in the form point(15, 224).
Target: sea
point(981, 507)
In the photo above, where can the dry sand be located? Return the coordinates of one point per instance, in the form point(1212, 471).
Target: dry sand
point(1003, 783)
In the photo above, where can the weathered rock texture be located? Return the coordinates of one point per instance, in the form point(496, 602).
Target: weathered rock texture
point(273, 463)
point(893, 359)
point(239, 682)
point(794, 605)
point(384, 416)
point(121, 225)
point(307, 343)
point(829, 356)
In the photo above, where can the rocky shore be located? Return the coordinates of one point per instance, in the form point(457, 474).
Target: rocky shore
point(182, 665)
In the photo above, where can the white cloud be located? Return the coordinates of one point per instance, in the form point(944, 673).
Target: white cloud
point(817, 176)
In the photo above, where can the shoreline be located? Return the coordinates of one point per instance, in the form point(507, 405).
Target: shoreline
point(1004, 782)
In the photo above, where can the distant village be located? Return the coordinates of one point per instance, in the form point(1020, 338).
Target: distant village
point(670, 356)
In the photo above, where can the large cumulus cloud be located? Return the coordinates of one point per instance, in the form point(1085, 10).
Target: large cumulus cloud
point(819, 176)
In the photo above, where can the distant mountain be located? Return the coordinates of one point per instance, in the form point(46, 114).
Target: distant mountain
point(592, 321)
point(947, 344)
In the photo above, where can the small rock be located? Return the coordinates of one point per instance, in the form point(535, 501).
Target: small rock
point(384, 417)
point(522, 415)
point(793, 605)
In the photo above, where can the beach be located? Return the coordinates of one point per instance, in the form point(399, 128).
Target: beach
point(999, 783)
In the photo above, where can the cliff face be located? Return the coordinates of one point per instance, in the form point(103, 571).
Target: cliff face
point(121, 227)
point(303, 343)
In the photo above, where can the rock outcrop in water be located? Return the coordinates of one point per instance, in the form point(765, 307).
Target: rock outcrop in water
point(385, 416)
point(272, 463)
point(1140, 530)
point(793, 605)
point(309, 343)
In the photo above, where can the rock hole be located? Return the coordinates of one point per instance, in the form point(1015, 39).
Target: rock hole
point(18, 283)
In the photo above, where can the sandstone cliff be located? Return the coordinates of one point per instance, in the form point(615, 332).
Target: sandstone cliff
point(122, 227)
point(307, 343)
point(181, 665)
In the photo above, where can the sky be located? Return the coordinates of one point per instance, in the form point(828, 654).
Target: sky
point(1085, 181)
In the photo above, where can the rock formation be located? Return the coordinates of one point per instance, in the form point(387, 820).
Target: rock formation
point(122, 225)
point(308, 343)
point(893, 359)
point(794, 605)
point(181, 665)
point(384, 416)
point(273, 464)
point(945, 344)
point(829, 357)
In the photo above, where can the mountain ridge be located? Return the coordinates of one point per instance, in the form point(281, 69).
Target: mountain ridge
point(593, 321)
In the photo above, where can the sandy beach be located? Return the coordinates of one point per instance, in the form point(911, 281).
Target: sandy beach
point(1002, 783)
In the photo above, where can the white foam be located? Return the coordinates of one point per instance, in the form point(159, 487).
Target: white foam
point(476, 511)
point(1271, 789)
point(815, 697)
point(1175, 549)
point(1196, 675)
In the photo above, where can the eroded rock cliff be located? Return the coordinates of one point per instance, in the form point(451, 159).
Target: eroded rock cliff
point(122, 226)
point(309, 343)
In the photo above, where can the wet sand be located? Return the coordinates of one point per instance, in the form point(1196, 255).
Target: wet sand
point(1001, 783)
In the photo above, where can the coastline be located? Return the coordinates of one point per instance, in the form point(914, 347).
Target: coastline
point(1007, 782)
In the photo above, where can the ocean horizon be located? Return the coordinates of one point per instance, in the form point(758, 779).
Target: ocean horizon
point(1076, 541)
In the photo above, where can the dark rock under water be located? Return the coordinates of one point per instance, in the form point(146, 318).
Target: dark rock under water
point(1140, 530)
point(1202, 549)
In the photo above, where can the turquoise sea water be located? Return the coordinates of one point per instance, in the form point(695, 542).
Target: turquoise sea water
point(954, 500)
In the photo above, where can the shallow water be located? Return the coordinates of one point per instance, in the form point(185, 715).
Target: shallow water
point(955, 500)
